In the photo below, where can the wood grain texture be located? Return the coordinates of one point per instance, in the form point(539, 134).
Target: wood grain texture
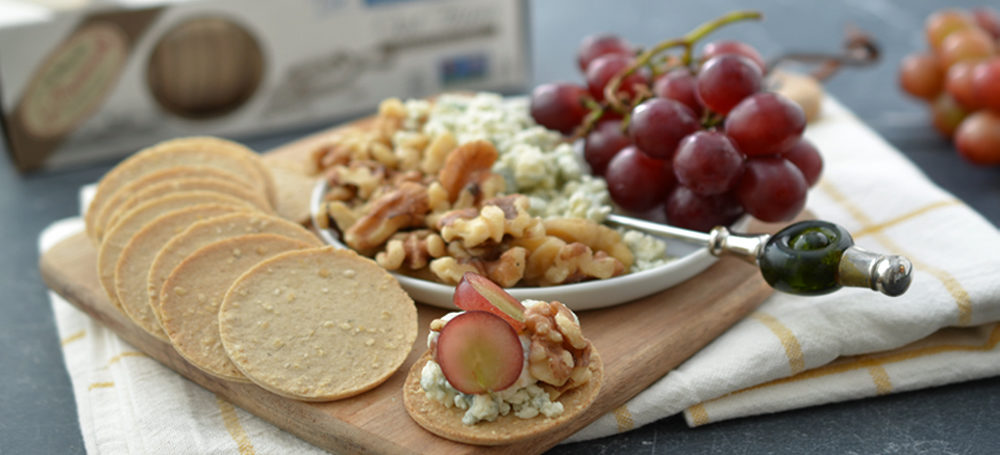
point(640, 342)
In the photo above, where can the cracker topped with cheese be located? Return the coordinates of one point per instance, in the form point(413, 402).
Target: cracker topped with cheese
point(502, 371)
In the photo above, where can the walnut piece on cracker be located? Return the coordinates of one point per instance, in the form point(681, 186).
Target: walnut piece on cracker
point(559, 354)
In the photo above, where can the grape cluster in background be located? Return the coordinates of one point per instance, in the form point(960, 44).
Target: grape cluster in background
point(959, 77)
point(694, 140)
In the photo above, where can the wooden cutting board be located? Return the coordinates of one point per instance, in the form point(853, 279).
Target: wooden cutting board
point(639, 342)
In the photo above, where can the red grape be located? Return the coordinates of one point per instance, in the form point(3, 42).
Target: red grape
point(967, 44)
point(946, 114)
point(603, 143)
point(708, 163)
point(603, 68)
point(689, 210)
point(942, 23)
point(724, 47)
point(986, 83)
point(920, 75)
point(726, 80)
point(659, 124)
point(637, 182)
point(765, 124)
point(988, 20)
point(559, 106)
point(679, 85)
point(806, 157)
point(594, 46)
point(958, 84)
point(978, 138)
point(772, 189)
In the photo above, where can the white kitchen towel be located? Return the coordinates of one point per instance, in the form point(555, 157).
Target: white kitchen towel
point(792, 352)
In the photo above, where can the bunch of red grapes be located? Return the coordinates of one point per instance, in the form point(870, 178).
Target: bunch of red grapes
point(698, 143)
point(959, 76)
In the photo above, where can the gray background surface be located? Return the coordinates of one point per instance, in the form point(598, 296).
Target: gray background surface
point(37, 410)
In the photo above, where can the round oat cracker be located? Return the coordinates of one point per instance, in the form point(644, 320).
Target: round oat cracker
point(112, 202)
point(447, 421)
point(132, 267)
point(199, 150)
point(232, 188)
point(119, 235)
point(195, 289)
point(212, 230)
point(318, 324)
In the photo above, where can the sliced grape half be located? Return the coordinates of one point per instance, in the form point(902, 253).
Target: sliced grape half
point(479, 352)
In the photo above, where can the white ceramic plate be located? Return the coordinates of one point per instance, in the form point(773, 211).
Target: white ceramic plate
point(689, 261)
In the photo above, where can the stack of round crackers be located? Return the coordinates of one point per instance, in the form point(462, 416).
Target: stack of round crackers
point(191, 250)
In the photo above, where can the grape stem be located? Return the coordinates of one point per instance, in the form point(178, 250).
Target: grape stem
point(710, 119)
point(595, 114)
point(687, 42)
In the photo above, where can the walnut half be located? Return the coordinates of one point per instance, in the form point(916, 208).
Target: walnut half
point(395, 210)
point(469, 164)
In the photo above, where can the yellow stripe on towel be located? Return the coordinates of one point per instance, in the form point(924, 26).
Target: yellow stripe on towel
point(232, 422)
point(698, 414)
point(118, 357)
point(101, 385)
point(74, 337)
point(624, 419)
point(788, 340)
point(883, 384)
point(877, 228)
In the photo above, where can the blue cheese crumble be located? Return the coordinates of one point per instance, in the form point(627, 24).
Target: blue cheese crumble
point(535, 161)
point(525, 399)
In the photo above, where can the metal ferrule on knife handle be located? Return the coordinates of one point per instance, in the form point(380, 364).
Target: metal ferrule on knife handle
point(746, 247)
point(888, 274)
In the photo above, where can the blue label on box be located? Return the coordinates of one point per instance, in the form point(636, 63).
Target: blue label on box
point(463, 68)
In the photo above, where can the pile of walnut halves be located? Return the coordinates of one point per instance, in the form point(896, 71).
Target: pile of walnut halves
point(432, 208)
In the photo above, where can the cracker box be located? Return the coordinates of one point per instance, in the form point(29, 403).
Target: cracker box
point(101, 80)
